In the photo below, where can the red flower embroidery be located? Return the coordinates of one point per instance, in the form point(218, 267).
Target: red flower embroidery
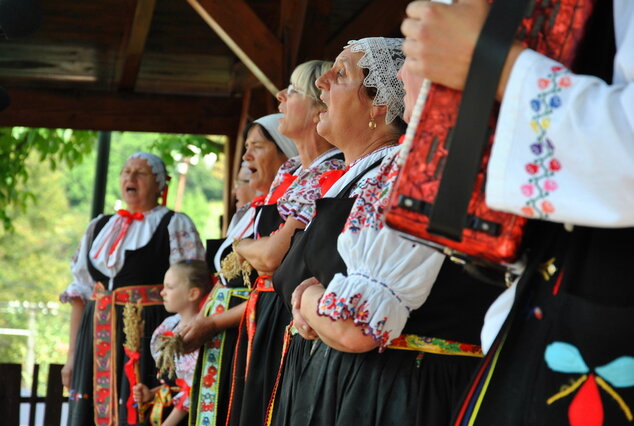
point(543, 83)
point(557, 68)
point(548, 207)
point(565, 81)
point(554, 165)
point(528, 211)
point(532, 168)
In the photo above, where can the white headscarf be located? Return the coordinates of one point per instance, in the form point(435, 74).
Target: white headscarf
point(383, 58)
point(158, 166)
point(271, 123)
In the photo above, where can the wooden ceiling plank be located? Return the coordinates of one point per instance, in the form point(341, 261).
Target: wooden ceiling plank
point(312, 44)
point(379, 19)
point(245, 34)
point(91, 110)
point(134, 44)
point(292, 20)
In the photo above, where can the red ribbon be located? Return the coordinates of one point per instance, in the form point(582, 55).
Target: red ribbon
point(262, 284)
point(287, 180)
point(258, 201)
point(130, 374)
point(129, 217)
point(184, 387)
point(164, 192)
point(328, 179)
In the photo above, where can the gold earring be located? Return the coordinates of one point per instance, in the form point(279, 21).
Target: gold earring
point(372, 123)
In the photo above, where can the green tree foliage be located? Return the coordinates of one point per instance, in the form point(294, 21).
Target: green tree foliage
point(51, 146)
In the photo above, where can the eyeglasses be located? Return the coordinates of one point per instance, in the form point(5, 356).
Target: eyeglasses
point(292, 89)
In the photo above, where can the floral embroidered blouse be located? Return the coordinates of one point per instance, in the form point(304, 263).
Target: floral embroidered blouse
point(387, 276)
point(563, 147)
point(185, 364)
point(298, 201)
point(183, 238)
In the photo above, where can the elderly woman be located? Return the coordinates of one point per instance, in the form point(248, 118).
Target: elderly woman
point(266, 317)
point(216, 326)
point(371, 298)
point(122, 258)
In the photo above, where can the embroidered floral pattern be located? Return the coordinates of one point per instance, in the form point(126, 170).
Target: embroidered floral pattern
point(544, 165)
point(356, 308)
point(373, 197)
point(298, 201)
point(211, 356)
point(290, 166)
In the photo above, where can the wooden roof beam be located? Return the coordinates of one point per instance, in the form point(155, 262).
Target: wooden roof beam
point(134, 43)
point(245, 34)
point(292, 19)
point(381, 18)
point(127, 112)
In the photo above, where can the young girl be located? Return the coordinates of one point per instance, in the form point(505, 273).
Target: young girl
point(186, 284)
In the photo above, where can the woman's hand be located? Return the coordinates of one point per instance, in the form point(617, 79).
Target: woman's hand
point(300, 323)
point(440, 39)
point(141, 393)
point(201, 330)
point(67, 372)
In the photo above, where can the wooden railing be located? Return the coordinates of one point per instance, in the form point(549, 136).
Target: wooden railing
point(11, 400)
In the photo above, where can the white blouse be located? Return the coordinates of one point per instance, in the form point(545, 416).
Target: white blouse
point(564, 146)
point(387, 276)
point(185, 363)
point(183, 239)
point(298, 201)
point(564, 143)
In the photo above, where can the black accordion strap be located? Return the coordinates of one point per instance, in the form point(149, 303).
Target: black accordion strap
point(449, 214)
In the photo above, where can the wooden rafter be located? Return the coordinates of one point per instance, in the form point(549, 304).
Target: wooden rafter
point(380, 18)
point(313, 42)
point(245, 34)
point(102, 111)
point(134, 44)
point(292, 18)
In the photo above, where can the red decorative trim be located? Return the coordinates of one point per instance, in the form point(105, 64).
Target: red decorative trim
point(105, 337)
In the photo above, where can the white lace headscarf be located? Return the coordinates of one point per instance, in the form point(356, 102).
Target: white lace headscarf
point(382, 58)
point(158, 166)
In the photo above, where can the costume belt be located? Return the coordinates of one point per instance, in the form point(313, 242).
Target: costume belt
point(104, 341)
point(262, 284)
point(211, 356)
point(434, 345)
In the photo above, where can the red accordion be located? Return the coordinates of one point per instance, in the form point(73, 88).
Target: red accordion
point(424, 195)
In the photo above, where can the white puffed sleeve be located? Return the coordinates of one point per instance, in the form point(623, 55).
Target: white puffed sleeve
point(184, 239)
point(387, 276)
point(564, 144)
point(82, 285)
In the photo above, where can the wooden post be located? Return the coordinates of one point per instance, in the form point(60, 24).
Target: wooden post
point(10, 378)
point(33, 398)
point(54, 396)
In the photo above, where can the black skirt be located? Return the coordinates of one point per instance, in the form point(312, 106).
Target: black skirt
point(251, 395)
point(323, 386)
